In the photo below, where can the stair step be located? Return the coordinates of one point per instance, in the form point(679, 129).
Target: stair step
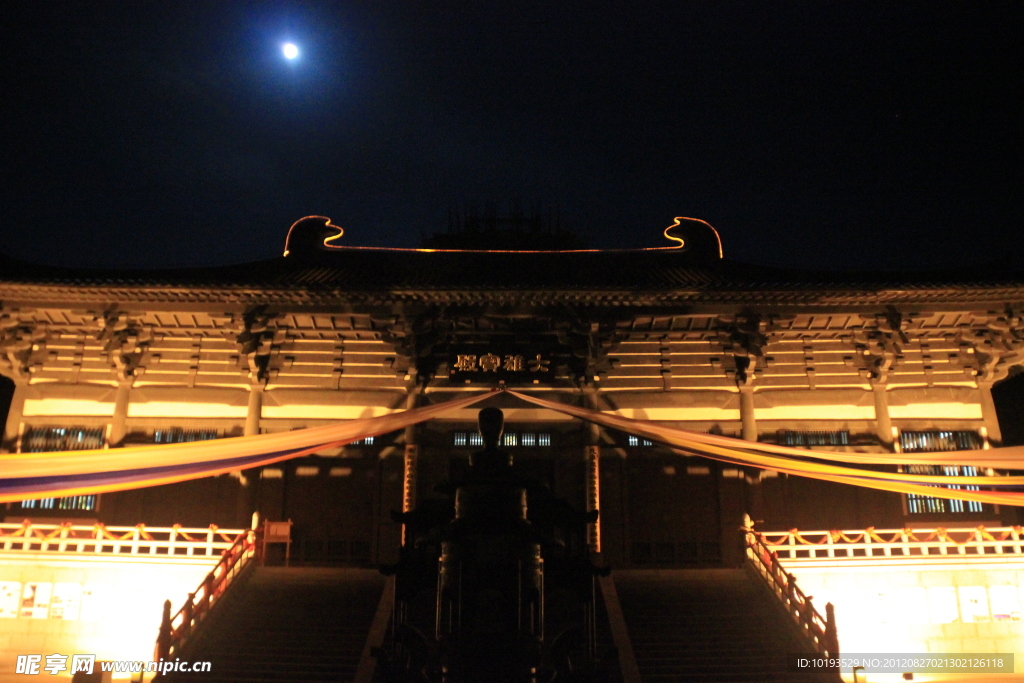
point(707, 625)
point(289, 625)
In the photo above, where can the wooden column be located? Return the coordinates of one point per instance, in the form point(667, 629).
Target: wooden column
point(988, 414)
point(118, 425)
point(12, 430)
point(734, 496)
point(732, 506)
point(255, 410)
point(253, 415)
point(747, 412)
point(883, 423)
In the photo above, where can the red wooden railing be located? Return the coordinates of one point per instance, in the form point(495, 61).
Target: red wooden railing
point(937, 543)
point(821, 631)
point(175, 630)
point(168, 542)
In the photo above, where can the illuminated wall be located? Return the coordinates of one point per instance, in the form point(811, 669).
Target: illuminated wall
point(934, 605)
point(107, 606)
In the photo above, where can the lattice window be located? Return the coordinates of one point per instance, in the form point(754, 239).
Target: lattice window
point(467, 439)
point(508, 439)
point(538, 439)
point(918, 442)
point(176, 435)
point(815, 438)
point(46, 439)
point(637, 441)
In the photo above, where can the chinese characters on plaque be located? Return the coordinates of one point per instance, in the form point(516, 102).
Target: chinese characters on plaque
point(489, 366)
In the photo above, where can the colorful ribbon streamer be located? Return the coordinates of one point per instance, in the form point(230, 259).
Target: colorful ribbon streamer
point(802, 462)
point(72, 473)
point(67, 473)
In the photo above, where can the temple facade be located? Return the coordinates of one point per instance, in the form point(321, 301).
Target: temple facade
point(874, 363)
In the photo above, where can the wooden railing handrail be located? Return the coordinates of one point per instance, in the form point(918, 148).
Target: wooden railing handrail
point(821, 631)
point(895, 543)
point(177, 628)
point(165, 542)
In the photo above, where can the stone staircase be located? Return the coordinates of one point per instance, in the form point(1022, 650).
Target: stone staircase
point(713, 625)
point(287, 624)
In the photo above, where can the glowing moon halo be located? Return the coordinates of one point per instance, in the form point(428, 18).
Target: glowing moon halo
point(290, 50)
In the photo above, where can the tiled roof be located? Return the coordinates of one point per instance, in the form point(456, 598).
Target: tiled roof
point(381, 271)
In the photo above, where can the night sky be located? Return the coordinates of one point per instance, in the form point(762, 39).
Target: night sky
point(811, 134)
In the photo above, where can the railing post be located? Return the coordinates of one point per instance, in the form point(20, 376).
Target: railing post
point(150, 550)
point(163, 640)
point(997, 544)
point(204, 604)
point(806, 612)
point(186, 616)
point(261, 547)
point(831, 635)
point(788, 581)
point(253, 531)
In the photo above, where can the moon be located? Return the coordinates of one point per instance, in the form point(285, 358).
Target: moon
point(290, 50)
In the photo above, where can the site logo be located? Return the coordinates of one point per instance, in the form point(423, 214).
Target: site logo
point(33, 664)
point(55, 663)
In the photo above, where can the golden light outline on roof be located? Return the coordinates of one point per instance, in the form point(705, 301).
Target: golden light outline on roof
point(682, 242)
point(327, 242)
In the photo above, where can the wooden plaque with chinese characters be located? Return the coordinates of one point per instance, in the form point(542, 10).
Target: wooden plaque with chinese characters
point(491, 365)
